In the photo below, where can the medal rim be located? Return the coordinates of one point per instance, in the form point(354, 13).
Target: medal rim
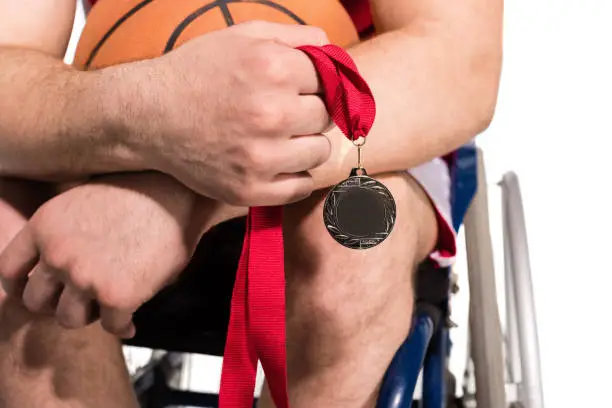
point(388, 202)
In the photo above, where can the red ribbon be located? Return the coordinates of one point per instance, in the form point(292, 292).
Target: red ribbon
point(257, 320)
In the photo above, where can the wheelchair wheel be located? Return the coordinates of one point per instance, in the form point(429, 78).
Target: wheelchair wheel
point(486, 339)
point(522, 337)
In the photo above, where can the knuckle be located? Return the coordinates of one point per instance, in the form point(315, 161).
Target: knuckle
point(256, 160)
point(81, 277)
point(58, 254)
point(267, 116)
point(268, 63)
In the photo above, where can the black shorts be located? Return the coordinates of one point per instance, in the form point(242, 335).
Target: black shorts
point(192, 314)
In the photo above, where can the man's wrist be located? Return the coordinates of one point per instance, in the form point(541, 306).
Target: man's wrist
point(119, 110)
point(208, 212)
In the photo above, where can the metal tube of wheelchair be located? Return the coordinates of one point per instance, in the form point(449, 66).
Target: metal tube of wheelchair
point(434, 371)
point(401, 377)
point(512, 336)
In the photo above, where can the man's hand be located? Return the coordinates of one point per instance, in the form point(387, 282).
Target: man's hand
point(116, 241)
point(233, 114)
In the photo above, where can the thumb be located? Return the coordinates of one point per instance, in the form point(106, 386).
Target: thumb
point(292, 35)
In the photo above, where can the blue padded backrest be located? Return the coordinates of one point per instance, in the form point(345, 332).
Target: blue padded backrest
point(464, 181)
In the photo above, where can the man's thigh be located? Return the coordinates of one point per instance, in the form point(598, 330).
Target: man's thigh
point(43, 365)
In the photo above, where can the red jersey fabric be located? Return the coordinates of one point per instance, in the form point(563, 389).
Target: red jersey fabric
point(359, 10)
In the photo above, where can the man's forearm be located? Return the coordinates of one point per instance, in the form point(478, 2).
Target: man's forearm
point(195, 213)
point(19, 199)
point(55, 122)
point(433, 93)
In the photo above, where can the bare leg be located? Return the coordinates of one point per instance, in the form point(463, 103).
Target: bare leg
point(347, 310)
point(44, 366)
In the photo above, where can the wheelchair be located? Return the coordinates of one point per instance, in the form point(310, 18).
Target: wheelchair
point(504, 367)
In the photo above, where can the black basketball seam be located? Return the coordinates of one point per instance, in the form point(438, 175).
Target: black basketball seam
point(197, 13)
point(114, 28)
point(229, 20)
point(276, 6)
point(186, 21)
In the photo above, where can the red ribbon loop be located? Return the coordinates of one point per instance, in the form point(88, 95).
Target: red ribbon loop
point(257, 320)
point(347, 95)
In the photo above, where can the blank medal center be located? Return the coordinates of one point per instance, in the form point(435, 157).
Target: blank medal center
point(361, 213)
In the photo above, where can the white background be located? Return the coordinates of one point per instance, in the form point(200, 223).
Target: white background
point(553, 128)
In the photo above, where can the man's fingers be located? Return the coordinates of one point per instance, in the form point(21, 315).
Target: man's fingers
point(117, 322)
point(302, 71)
point(292, 35)
point(16, 262)
point(42, 291)
point(304, 76)
point(292, 182)
point(309, 116)
point(74, 309)
point(289, 188)
point(305, 153)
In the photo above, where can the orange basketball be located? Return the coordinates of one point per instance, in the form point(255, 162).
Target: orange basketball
point(119, 31)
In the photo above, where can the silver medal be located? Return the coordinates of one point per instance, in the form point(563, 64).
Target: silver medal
point(360, 211)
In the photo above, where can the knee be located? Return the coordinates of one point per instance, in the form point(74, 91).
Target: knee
point(348, 290)
point(347, 306)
